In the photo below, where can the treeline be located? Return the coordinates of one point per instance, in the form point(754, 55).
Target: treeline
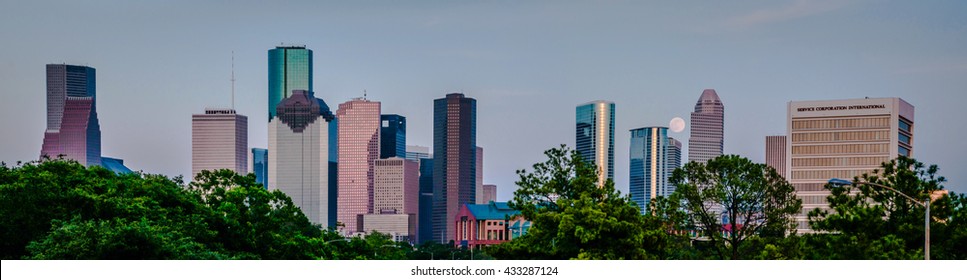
point(61, 210)
point(732, 208)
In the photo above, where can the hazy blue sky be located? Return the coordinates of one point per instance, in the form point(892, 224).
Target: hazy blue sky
point(528, 64)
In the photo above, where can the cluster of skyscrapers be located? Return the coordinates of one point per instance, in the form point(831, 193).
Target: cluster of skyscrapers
point(653, 154)
point(351, 169)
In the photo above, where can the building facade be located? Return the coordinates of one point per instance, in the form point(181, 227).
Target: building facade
point(73, 130)
point(776, 154)
point(416, 153)
point(489, 193)
point(454, 154)
point(298, 156)
point(260, 166)
point(392, 136)
point(650, 165)
point(290, 69)
point(479, 225)
point(396, 186)
point(358, 145)
point(707, 128)
point(219, 140)
point(425, 221)
point(674, 161)
point(842, 139)
point(479, 180)
point(594, 137)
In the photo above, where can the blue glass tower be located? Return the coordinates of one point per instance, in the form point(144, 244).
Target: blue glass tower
point(649, 165)
point(290, 68)
point(426, 201)
point(594, 136)
point(260, 166)
point(392, 133)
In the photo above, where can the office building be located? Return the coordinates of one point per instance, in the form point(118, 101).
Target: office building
point(219, 140)
point(674, 162)
point(260, 166)
point(595, 136)
point(479, 179)
point(290, 69)
point(707, 128)
point(489, 193)
point(480, 225)
point(358, 141)
point(299, 156)
point(392, 136)
point(425, 221)
point(842, 139)
point(400, 227)
point(650, 164)
point(73, 131)
point(416, 153)
point(454, 160)
point(776, 154)
point(396, 193)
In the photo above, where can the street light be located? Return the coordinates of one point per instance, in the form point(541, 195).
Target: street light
point(925, 204)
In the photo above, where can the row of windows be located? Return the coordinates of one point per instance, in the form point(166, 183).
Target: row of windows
point(872, 122)
point(841, 149)
point(812, 187)
point(839, 161)
point(826, 174)
point(841, 136)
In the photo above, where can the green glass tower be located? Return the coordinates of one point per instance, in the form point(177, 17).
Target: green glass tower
point(290, 68)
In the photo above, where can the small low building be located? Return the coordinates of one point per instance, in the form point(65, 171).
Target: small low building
point(479, 225)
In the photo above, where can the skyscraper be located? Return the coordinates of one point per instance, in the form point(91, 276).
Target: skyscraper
point(290, 69)
point(649, 165)
point(454, 160)
point(776, 154)
point(358, 138)
point(674, 161)
point(489, 193)
point(260, 166)
point(595, 136)
point(842, 139)
point(707, 128)
point(417, 153)
point(392, 136)
point(73, 129)
point(396, 186)
point(425, 221)
point(219, 140)
point(299, 155)
point(479, 179)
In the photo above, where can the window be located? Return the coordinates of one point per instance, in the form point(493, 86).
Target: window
point(904, 138)
point(904, 151)
point(904, 126)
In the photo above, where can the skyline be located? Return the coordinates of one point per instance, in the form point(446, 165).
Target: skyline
point(757, 58)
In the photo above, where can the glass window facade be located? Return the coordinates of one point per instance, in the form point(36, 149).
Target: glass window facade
point(392, 136)
point(290, 68)
point(594, 136)
point(650, 165)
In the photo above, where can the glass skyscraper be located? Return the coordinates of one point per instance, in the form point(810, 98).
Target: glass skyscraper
point(299, 156)
point(652, 160)
point(425, 231)
point(260, 166)
point(72, 125)
point(392, 136)
point(358, 139)
point(454, 160)
point(595, 136)
point(707, 128)
point(290, 68)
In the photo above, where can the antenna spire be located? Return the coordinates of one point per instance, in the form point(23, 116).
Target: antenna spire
point(364, 94)
point(233, 80)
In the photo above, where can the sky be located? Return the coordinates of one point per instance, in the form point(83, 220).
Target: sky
point(528, 64)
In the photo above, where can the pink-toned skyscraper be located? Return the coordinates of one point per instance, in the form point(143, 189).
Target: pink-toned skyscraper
point(489, 193)
point(358, 150)
point(72, 126)
point(479, 172)
point(707, 129)
point(219, 140)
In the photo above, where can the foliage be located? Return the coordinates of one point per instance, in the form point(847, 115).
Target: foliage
point(731, 200)
point(572, 217)
point(865, 221)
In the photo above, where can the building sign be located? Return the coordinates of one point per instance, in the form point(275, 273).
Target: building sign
point(840, 108)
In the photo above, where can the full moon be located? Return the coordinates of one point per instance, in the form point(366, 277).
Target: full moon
point(677, 125)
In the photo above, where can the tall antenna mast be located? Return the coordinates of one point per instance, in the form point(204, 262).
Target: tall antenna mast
point(233, 80)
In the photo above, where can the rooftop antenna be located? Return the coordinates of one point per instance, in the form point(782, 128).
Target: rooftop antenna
point(233, 80)
point(364, 94)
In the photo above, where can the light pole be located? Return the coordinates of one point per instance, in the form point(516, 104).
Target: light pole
point(925, 204)
point(335, 240)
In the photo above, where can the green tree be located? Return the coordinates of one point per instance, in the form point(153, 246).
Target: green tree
point(731, 200)
point(869, 222)
point(572, 217)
